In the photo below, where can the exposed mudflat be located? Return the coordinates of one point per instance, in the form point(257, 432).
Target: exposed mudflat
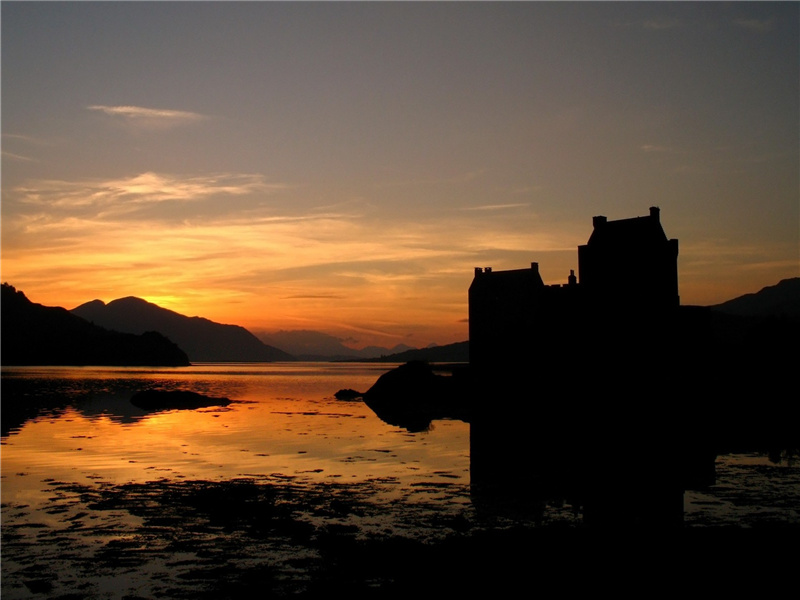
point(279, 536)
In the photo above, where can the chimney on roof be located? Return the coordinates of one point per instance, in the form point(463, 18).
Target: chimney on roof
point(535, 267)
point(598, 221)
point(655, 213)
point(572, 280)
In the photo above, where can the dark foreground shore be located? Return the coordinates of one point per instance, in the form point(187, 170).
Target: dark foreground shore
point(276, 537)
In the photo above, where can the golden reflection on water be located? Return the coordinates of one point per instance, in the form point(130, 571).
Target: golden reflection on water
point(284, 421)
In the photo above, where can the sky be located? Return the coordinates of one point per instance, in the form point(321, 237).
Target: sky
point(343, 167)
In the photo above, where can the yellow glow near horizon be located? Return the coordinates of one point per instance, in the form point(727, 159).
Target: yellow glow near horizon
point(319, 270)
point(350, 182)
point(322, 272)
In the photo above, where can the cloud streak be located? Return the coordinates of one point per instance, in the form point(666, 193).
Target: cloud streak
point(497, 206)
point(148, 117)
point(656, 148)
point(139, 112)
point(111, 196)
point(756, 25)
point(19, 157)
point(297, 266)
point(662, 23)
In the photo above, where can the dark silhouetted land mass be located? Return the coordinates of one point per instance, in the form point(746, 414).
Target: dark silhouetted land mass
point(458, 352)
point(33, 334)
point(202, 339)
point(318, 346)
point(781, 300)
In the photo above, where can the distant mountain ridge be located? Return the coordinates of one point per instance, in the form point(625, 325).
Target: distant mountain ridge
point(202, 340)
point(780, 300)
point(206, 341)
point(33, 334)
point(315, 345)
point(457, 352)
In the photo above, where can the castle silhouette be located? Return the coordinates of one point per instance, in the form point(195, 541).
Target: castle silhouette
point(627, 277)
point(581, 385)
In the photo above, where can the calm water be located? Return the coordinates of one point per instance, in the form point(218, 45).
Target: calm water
point(284, 420)
point(284, 430)
point(102, 499)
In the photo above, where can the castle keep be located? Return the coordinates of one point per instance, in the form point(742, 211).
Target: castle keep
point(584, 388)
point(627, 284)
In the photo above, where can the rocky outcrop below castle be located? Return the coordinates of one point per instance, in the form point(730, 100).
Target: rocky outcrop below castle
point(33, 334)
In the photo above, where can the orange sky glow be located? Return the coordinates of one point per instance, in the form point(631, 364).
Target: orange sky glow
point(343, 167)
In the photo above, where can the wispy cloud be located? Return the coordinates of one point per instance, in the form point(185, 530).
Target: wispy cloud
point(326, 271)
point(314, 297)
point(16, 139)
point(656, 148)
point(155, 117)
point(19, 157)
point(24, 138)
point(656, 23)
point(145, 188)
point(662, 23)
point(497, 206)
point(756, 25)
point(460, 178)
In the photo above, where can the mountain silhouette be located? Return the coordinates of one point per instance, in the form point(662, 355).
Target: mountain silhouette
point(33, 334)
point(315, 345)
point(781, 300)
point(457, 352)
point(202, 340)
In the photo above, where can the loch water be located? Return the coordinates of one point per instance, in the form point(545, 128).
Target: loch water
point(274, 491)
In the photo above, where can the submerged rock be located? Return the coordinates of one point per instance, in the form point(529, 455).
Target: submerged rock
point(174, 399)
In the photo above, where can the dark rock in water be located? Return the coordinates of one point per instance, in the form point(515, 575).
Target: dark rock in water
point(412, 395)
point(174, 399)
point(347, 394)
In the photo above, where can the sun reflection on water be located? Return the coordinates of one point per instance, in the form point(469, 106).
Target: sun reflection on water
point(283, 421)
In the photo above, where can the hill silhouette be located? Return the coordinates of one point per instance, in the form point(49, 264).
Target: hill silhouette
point(457, 352)
point(33, 334)
point(781, 300)
point(202, 340)
point(318, 346)
point(738, 319)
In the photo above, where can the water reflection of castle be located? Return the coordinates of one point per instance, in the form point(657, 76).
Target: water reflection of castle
point(579, 383)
